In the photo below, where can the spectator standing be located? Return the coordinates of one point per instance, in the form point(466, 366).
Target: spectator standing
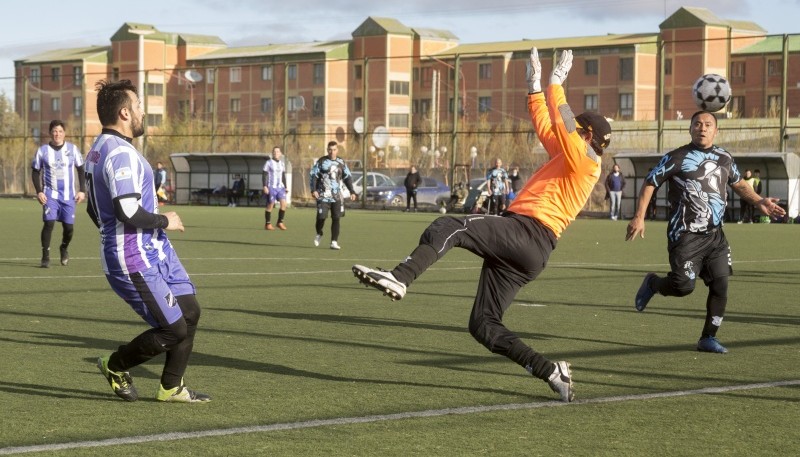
point(615, 183)
point(236, 190)
point(160, 178)
point(746, 209)
point(515, 180)
point(411, 183)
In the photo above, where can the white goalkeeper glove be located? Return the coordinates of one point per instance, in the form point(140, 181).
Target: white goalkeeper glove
point(534, 73)
point(561, 68)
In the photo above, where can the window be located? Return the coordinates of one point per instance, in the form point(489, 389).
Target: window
point(236, 74)
point(426, 75)
point(774, 67)
point(35, 105)
point(737, 72)
point(154, 120)
point(34, 76)
point(293, 104)
point(210, 106)
point(115, 74)
point(398, 120)
point(210, 74)
point(55, 104)
point(77, 76)
point(773, 105)
point(398, 87)
point(736, 106)
point(667, 66)
point(35, 132)
point(266, 105)
point(425, 105)
point(626, 105)
point(236, 105)
point(358, 104)
point(667, 101)
point(155, 89)
point(357, 71)
point(77, 106)
point(319, 73)
point(590, 102)
point(484, 104)
point(55, 74)
point(292, 70)
point(415, 74)
point(317, 106)
point(590, 67)
point(626, 69)
point(485, 71)
point(266, 73)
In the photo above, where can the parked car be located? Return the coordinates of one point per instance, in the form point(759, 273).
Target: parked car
point(430, 192)
point(374, 179)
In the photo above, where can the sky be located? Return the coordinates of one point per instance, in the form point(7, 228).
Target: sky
point(56, 24)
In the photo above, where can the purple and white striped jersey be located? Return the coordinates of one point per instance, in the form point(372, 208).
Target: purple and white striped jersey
point(114, 169)
point(274, 170)
point(58, 177)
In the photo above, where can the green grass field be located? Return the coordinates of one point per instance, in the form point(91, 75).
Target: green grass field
point(302, 360)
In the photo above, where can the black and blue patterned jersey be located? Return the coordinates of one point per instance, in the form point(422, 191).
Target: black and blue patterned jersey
point(497, 178)
point(327, 177)
point(697, 187)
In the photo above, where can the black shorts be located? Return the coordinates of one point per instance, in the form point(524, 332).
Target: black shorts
point(705, 254)
point(336, 209)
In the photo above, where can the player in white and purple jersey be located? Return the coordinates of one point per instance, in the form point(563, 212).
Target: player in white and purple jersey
point(135, 253)
point(275, 188)
point(54, 181)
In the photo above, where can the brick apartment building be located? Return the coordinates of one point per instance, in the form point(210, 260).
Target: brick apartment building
point(402, 78)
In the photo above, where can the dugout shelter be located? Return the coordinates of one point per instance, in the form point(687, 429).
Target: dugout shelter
point(203, 178)
point(780, 177)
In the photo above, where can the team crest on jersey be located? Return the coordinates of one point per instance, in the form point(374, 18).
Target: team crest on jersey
point(688, 268)
point(122, 174)
point(170, 299)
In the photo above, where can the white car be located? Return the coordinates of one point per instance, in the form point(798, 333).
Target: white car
point(374, 179)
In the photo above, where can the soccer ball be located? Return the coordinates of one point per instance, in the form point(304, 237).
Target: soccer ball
point(711, 92)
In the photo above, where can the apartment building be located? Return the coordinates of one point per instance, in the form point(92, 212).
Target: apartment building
point(408, 79)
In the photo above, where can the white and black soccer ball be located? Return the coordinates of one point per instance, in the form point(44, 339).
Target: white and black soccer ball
point(711, 92)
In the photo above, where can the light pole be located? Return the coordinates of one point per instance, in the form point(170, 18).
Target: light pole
point(140, 69)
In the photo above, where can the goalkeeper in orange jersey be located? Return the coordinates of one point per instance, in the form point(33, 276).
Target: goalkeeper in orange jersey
point(516, 245)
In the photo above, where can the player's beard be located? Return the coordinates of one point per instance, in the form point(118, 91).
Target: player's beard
point(137, 127)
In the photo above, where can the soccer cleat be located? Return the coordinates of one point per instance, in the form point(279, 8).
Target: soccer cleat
point(316, 239)
point(645, 292)
point(381, 280)
point(181, 394)
point(281, 226)
point(64, 255)
point(45, 258)
point(335, 246)
point(121, 382)
point(711, 344)
point(268, 226)
point(561, 382)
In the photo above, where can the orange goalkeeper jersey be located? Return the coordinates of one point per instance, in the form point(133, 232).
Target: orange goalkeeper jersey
point(557, 192)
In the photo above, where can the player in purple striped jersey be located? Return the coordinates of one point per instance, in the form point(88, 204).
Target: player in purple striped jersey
point(136, 255)
point(275, 188)
point(54, 182)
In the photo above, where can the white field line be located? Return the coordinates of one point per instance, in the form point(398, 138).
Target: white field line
point(163, 437)
point(475, 265)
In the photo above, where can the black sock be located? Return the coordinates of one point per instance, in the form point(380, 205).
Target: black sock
point(281, 214)
point(267, 216)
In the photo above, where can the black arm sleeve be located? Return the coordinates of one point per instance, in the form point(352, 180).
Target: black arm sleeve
point(141, 219)
point(37, 179)
point(348, 182)
point(264, 178)
point(81, 179)
point(283, 178)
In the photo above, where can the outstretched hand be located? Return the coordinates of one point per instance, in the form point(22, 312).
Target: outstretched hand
point(562, 67)
point(534, 72)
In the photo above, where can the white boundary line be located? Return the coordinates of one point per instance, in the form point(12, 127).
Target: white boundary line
point(162, 437)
